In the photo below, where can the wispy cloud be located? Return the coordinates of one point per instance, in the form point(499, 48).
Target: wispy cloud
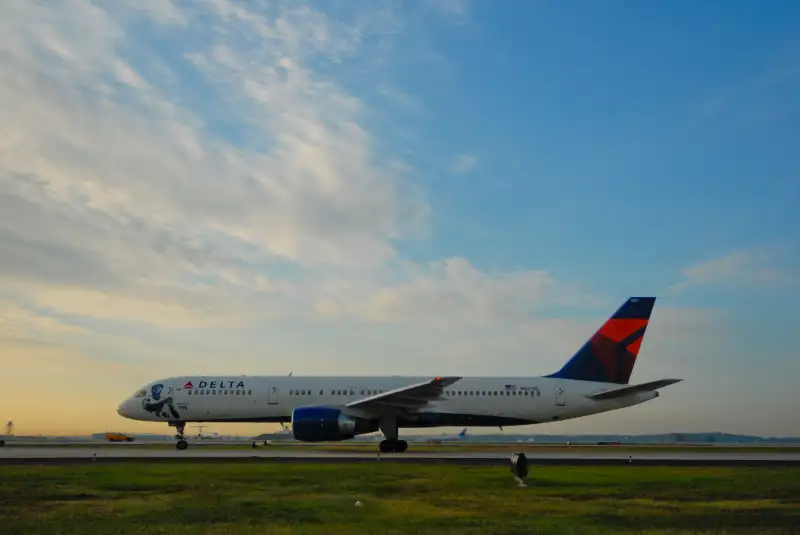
point(456, 11)
point(748, 268)
point(19, 323)
point(749, 92)
point(124, 200)
point(451, 293)
point(464, 163)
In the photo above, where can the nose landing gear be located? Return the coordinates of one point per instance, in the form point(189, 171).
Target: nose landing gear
point(180, 427)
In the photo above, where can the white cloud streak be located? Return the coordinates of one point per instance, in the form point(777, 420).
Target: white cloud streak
point(464, 163)
point(751, 268)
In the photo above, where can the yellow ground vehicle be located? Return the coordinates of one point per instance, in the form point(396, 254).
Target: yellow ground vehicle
point(118, 437)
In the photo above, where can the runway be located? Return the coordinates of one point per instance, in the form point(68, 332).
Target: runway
point(67, 455)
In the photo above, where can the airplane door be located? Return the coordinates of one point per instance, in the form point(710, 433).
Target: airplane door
point(274, 395)
point(561, 397)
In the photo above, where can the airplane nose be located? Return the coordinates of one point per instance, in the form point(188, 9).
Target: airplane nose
point(124, 409)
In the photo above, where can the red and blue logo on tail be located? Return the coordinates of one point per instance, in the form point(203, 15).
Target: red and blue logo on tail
point(609, 355)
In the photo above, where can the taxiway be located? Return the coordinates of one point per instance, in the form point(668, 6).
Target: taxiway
point(59, 455)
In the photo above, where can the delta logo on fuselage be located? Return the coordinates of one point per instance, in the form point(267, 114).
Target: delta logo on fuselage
point(215, 384)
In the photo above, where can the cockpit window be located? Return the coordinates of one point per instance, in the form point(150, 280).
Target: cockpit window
point(140, 394)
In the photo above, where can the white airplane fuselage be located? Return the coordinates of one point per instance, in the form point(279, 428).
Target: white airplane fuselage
point(471, 401)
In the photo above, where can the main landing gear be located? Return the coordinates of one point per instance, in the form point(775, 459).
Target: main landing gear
point(389, 428)
point(398, 446)
point(180, 427)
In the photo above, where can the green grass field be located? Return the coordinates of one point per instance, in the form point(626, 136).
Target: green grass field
point(423, 447)
point(290, 498)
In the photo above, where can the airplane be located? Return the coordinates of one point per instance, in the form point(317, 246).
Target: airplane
point(208, 436)
point(337, 408)
point(284, 434)
point(448, 438)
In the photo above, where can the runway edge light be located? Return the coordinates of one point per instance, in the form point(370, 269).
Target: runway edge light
point(519, 467)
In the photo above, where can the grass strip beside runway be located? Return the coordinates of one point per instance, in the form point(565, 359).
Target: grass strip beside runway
point(357, 447)
point(293, 499)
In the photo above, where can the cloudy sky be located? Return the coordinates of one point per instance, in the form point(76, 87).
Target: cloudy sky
point(384, 187)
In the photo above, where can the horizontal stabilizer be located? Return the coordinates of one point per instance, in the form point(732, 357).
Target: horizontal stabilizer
point(633, 389)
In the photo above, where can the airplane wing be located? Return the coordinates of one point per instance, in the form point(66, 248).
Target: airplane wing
point(633, 389)
point(409, 398)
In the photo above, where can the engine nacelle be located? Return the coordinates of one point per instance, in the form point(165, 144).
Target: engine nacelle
point(641, 397)
point(325, 424)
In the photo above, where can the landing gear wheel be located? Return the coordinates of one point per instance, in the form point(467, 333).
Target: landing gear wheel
point(182, 444)
point(398, 446)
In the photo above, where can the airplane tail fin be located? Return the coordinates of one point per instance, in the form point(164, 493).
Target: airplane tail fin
point(463, 433)
point(610, 354)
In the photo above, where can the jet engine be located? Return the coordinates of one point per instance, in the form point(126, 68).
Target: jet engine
point(325, 424)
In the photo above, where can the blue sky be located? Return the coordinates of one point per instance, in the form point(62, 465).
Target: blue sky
point(424, 187)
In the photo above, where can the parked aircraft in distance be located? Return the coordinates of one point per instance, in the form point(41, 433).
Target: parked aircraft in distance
point(205, 436)
point(449, 438)
point(332, 408)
